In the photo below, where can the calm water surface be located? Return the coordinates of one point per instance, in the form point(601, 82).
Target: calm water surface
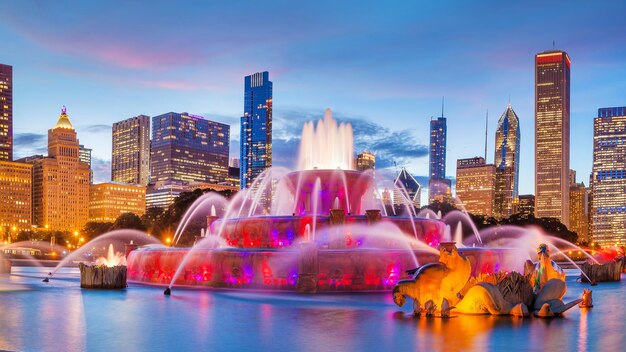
point(59, 316)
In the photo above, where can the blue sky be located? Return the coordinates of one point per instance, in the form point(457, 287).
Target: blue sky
point(382, 67)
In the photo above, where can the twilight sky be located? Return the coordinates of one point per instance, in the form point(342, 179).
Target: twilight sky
point(384, 68)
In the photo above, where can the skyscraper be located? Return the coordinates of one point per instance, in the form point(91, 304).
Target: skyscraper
point(256, 127)
point(552, 125)
point(61, 181)
point(526, 205)
point(15, 198)
point(476, 185)
point(188, 148)
point(406, 186)
point(578, 217)
point(84, 154)
point(6, 112)
point(365, 161)
point(437, 158)
point(130, 162)
point(507, 163)
point(608, 208)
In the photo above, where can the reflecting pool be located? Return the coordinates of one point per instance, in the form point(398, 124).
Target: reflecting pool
point(59, 316)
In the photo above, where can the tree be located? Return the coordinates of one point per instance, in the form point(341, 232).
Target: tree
point(551, 226)
point(93, 229)
point(128, 221)
point(443, 207)
point(151, 218)
point(164, 223)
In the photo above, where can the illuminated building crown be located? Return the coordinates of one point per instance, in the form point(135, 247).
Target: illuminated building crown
point(64, 121)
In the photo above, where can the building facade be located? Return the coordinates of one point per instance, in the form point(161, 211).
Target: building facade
point(437, 158)
point(507, 163)
point(233, 177)
point(256, 127)
point(6, 112)
point(61, 181)
point(107, 201)
point(365, 161)
point(608, 209)
point(525, 205)
point(189, 148)
point(163, 194)
point(406, 189)
point(552, 135)
point(15, 198)
point(476, 185)
point(130, 159)
point(84, 154)
point(578, 217)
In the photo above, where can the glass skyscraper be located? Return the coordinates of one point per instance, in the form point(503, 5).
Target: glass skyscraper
point(256, 127)
point(507, 163)
point(405, 186)
point(608, 207)
point(188, 148)
point(438, 186)
point(6, 112)
point(552, 125)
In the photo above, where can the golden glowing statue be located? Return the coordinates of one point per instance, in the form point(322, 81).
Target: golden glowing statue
point(439, 285)
point(544, 270)
point(433, 283)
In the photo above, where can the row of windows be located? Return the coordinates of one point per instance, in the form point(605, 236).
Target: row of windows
point(611, 174)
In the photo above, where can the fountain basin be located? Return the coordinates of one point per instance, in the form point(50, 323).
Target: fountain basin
point(283, 231)
point(5, 265)
point(332, 270)
point(102, 277)
point(609, 271)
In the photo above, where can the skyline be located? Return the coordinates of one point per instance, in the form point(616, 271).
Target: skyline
point(381, 89)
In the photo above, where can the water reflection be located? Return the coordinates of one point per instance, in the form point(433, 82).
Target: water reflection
point(61, 316)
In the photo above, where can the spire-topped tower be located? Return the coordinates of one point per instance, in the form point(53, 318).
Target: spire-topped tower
point(506, 161)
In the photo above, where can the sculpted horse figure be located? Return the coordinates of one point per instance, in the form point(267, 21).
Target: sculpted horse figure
point(432, 283)
point(544, 270)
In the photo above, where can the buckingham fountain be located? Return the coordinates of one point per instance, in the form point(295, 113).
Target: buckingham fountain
point(322, 228)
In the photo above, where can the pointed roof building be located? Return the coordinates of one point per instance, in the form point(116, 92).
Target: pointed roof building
point(405, 182)
point(506, 161)
point(64, 120)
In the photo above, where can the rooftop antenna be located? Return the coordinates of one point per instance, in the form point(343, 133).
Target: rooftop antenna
point(553, 44)
point(486, 128)
point(442, 100)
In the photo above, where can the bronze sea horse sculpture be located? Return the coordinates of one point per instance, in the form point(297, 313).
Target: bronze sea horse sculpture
point(436, 285)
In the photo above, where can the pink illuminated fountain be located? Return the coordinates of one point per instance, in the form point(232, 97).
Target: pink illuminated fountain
point(317, 229)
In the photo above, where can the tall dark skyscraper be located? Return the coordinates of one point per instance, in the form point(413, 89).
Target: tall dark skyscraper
point(6, 112)
point(188, 148)
point(256, 127)
point(507, 163)
point(438, 186)
point(552, 125)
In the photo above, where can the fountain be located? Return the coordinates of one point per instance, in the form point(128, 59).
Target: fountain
point(317, 229)
point(107, 273)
